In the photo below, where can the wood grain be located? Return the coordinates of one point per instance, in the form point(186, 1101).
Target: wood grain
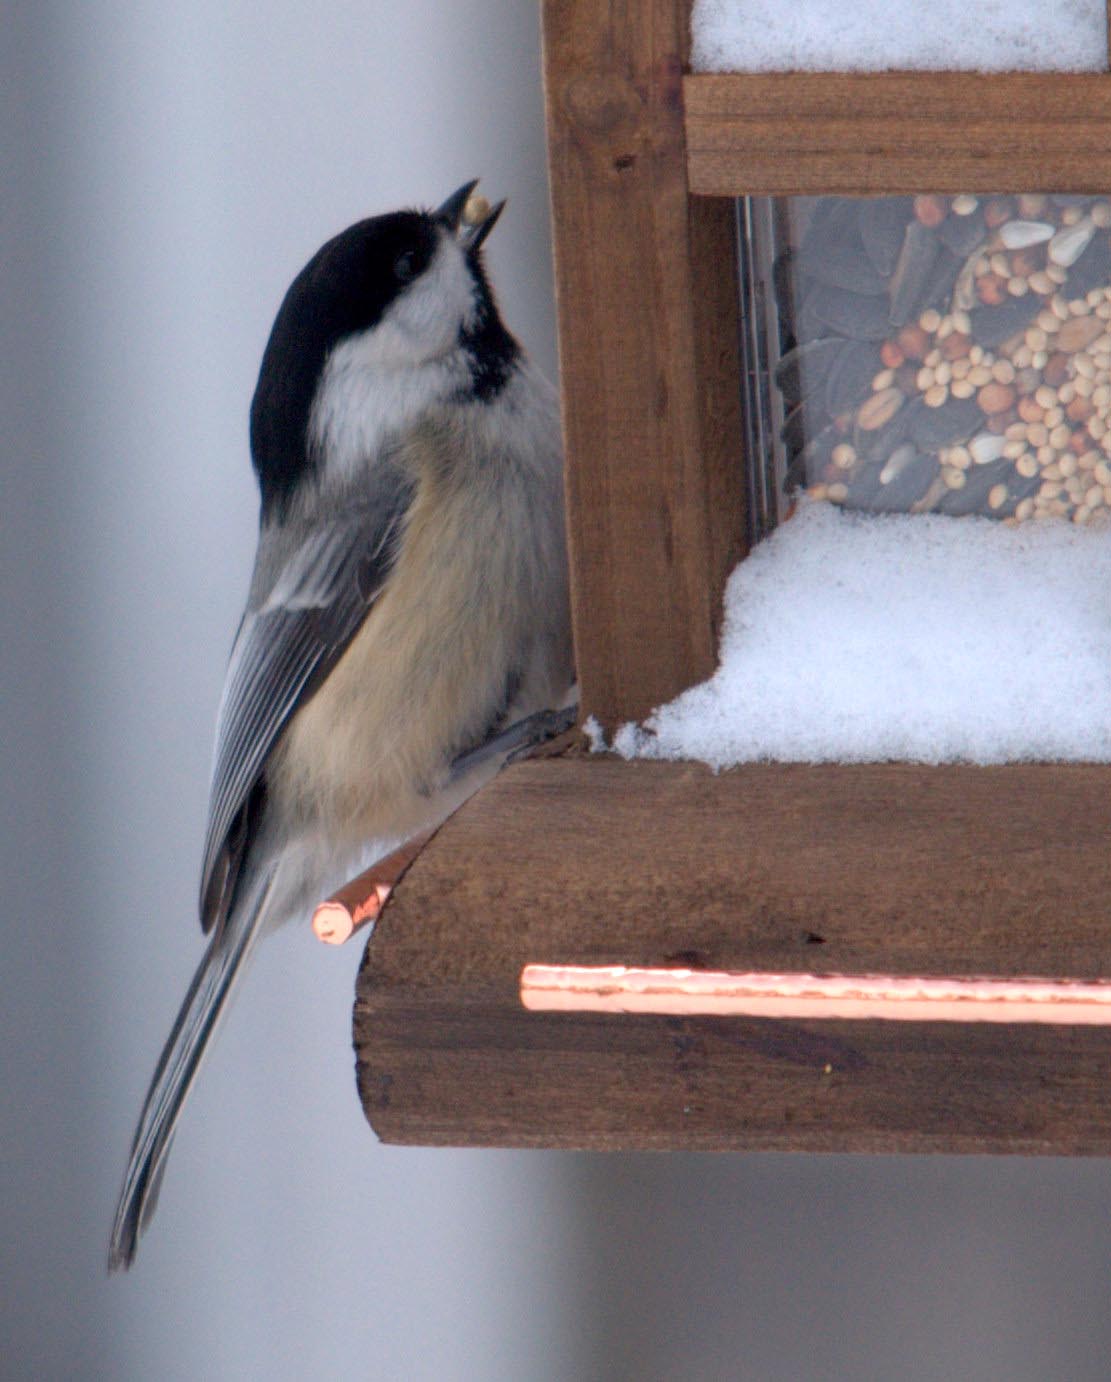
point(647, 307)
point(797, 133)
point(880, 868)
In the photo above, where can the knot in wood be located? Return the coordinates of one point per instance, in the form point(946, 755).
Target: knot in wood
point(601, 103)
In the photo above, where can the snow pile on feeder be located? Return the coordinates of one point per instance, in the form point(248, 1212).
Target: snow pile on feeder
point(855, 638)
point(876, 35)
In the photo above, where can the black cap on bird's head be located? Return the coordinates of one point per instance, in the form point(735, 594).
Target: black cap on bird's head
point(412, 285)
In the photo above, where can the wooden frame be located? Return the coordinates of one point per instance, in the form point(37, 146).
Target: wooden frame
point(953, 870)
point(788, 134)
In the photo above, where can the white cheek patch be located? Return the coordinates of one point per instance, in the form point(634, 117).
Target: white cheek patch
point(426, 319)
point(376, 384)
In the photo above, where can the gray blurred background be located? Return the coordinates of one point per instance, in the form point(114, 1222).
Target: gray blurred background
point(166, 169)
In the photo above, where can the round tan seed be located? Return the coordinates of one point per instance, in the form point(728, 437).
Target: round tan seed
point(997, 496)
point(995, 398)
point(843, 456)
point(954, 478)
point(936, 396)
point(962, 388)
point(1078, 332)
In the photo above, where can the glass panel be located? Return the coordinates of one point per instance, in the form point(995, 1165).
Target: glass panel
point(878, 35)
point(928, 354)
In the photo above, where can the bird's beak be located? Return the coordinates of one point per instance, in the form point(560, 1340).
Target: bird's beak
point(471, 229)
point(475, 232)
point(451, 212)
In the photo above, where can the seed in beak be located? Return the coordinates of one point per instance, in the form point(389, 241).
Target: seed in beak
point(476, 210)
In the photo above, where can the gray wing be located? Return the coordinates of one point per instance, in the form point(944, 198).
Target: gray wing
point(321, 592)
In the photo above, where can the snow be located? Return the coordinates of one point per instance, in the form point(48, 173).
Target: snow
point(852, 638)
point(874, 35)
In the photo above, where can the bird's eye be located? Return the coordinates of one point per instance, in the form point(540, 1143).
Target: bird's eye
point(405, 266)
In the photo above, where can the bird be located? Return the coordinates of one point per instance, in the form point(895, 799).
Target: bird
point(407, 621)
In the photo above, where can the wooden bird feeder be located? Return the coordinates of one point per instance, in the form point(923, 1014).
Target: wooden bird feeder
point(876, 957)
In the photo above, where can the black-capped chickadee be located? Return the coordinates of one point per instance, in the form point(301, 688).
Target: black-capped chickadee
point(408, 605)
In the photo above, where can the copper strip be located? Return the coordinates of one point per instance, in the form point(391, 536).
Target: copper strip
point(703, 993)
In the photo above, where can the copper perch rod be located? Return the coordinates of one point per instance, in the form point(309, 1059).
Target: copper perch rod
point(704, 993)
point(360, 902)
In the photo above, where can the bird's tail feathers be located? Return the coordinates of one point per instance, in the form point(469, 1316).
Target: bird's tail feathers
point(178, 1065)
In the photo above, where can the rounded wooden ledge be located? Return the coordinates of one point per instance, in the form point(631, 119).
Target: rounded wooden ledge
point(789, 869)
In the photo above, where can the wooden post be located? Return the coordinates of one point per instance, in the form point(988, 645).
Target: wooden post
point(647, 306)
